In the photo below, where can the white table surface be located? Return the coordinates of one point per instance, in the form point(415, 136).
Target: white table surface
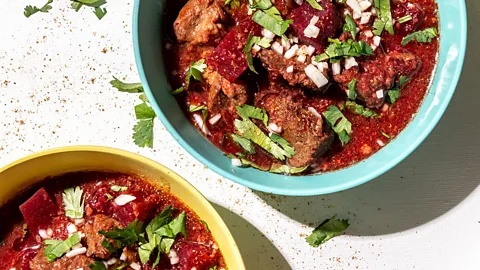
point(423, 214)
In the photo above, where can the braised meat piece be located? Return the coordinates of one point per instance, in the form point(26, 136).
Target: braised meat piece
point(310, 136)
point(200, 22)
point(402, 9)
point(39, 262)
point(94, 239)
point(401, 64)
point(235, 92)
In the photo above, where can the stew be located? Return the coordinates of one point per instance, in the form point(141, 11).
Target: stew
point(301, 87)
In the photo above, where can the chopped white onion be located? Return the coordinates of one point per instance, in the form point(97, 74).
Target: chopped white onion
point(268, 34)
point(215, 119)
point(168, 46)
point(310, 50)
point(292, 52)
point(79, 221)
point(277, 47)
point(289, 69)
point(49, 232)
point(346, 12)
point(274, 128)
point(365, 17)
point(236, 162)
point(174, 259)
point(356, 15)
point(71, 228)
point(256, 48)
point(379, 93)
point(295, 39)
point(81, 235)
point(350, 62)
point(322, 66)
point(355, 6)
point(373, 47)
point(285, 44)
point(43, 234)
point(302, 50)
point(34, 247)
point(79, 245)
point(385, 107)
point(123, 199)
point(368, 33)
point(364, 5)
point(314, 20)
point(311, 31)
point(76, 252)
point(302, 58)
point(336, 68)
point(112, 261)
point(199, 120)
point(314, 112)
point(135, 266)
point(123, 257)
point(376, 40)
point(299, 2)
point(315, 63)
point(374, 11)
point(316, 76)
point(381, 143)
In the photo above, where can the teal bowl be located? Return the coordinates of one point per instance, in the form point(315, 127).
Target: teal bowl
point(148, 31)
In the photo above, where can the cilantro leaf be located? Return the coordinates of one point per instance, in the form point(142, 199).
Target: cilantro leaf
point(338, 49)
point(56, 248)
point(126, 87)
point(422, 36)
point(125, 237)
point(143, 111)
point(244, 143)
point(378, 27)
point(213, 268)
point(108, 246)
point(76, 6)
point(393, 94)
point(143, 98)
point(91, 3)
point(283, 143)
point(384, 15)
point(285, 169)
point(109, 197)
point(206, 225)
point(350, 26)
point(146, 250)
point(100, 13)
point(315, 4)
point(351, 89)
point(232, 3)
point(117, 188)
point(30, 10)
point(160, 220)
point(196, 69)
point(251, 40)
point(405, 19)
point(178, 90)
point(260, 4)
point(339, 123)
point(271, 20)
point(143, 133)
point(196, 108)
point(74, 205)
point(97, 266)
point(248, 111)
point(355, 108)
point(385, 135)
point(327, 230)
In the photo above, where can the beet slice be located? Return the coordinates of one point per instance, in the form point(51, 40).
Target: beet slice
point(38, 210)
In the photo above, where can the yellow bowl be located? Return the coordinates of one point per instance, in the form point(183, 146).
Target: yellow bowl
point(25, 172)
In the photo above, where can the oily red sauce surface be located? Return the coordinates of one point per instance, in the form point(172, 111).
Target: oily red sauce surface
point(16, 247)
point(366, 132)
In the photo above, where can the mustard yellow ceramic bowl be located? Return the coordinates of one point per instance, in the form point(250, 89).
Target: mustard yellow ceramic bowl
point(25, 172)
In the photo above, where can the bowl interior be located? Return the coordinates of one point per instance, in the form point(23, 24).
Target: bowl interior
point(149, 33)
point(20, 175)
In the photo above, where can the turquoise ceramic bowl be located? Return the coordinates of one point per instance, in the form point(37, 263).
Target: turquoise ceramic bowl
point(147, 37)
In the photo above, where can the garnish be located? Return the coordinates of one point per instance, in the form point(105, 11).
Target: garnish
point(283, 143)
point(126, 87)
point(108, 246)
point(206, 225)
point(178, 90)
point(244, 143)
point(97, 266)
point(74, 205)
point(248, 111)
point(385, 135)
point(385, 20)
point(196, 69)
point(269, 17)
point(405, 19)
point(327, 230)
point(285, 169)
point(30, 10)
point(315, 4)
point(109, 197)
point(143, 130)
point(394, 93)
point(350, 26)
point(213, 268)
point(117, 188)
point(202, 108)
point(263, 42)
point(339, 123)
point(56, 248)
point(125, 237)
point(351, 89)
point(100, 12)
point(95, 4)
point(338, 49)
point(232, 3)
point(355, 108)
point(422, 36)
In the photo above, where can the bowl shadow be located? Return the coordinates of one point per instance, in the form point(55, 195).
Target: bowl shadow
point(257, 251)
point(438, 176)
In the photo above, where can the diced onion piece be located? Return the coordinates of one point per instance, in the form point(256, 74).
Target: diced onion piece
point(135, 266)
point(168, 46)
point(357, 15)
point(43, 234)
point(290, 69)
point(316, 76)
point(112, 261)
point(199, 120)
point(368, 33)
point(81, 235)
point(268, 34)
point(236, 162)
point(314, 20)
point(379, 93)
point(374, 11)
point(76, 252)
point(381, 143)
point(215, 119)
point(322, 66)
point(71, 228)
point(385, 107)
point(123, 257)
point(314, 112)
point(302, 58)
point(49, 232)
point(256, 48)
point(123, 199)
point(315, 63)
point(302, 50)
point(310, 50)
point(79, 245)
point(336, 68)
point(350, 62)
point(274, 128)
point(299, 2)
point(285, 44)
point(365, 17)
point(277, 47)
point(346, 12)
point(364, 5)
point(79, 221)
point(292, 52)
point(376, 40)
point(355, 6)
point(295, 39)
point(311, 31)
point(174, 259)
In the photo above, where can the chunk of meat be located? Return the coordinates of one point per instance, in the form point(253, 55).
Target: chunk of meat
point(200, 22)
point(329, 23)
point(310, 136)
point(277, 67)
point(94, 239)
point(379, 74)
point(284, 6)
point(402, 9)
point(195, 255)
point(39, 262)
point(236, 92)
point(38, 211)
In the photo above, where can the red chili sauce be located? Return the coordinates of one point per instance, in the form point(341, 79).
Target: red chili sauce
point(23, 246)
point(368, 134)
